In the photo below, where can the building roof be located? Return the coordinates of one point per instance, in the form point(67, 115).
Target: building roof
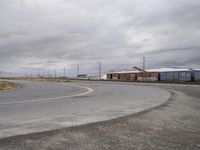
point(158, 70)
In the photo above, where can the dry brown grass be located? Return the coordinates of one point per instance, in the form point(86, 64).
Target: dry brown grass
point(47, 79)
point(5, 85)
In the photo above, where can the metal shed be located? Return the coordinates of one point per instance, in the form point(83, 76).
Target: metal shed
point(124, 76)
point(148, 76)
point(185, 76)
point(197, 75)
point(176, 76)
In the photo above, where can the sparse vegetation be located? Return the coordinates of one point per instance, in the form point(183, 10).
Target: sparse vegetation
point(5, 85)
point(47, 79)
point(40, 79)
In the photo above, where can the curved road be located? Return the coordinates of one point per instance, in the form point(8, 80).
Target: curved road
point(172, 123)
point(37, 107)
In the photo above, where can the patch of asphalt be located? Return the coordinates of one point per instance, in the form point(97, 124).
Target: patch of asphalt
point(172, 125)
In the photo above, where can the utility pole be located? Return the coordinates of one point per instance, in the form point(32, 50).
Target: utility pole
point(77, 70)
point(99, 70)
point(1, 73)
point(144, 61)
point(38, 75)
point(64, 72)
point(48, 75)
point(25, 74)
point(55, 73)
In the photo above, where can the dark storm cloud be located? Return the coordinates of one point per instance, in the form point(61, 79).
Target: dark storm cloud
point(66, 32)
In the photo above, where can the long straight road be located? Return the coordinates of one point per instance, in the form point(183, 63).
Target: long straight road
point(37, 107)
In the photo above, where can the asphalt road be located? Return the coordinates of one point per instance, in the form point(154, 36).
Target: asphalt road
point(146, 118)
point(37, 107)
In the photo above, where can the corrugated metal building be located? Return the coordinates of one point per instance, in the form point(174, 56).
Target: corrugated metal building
point(133, 76)
point(169, 76)
point(113, 76)
point(124, 76)
point(197, 75)
point(148, 76)
point(185, 76)
point(163, 74)
point(177, 76)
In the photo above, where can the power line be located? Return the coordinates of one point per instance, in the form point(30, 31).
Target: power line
point(64, 72)
point(99, 70)
point(143, 63)
point(1, 73)
point(77, 70)
point(182, 3)
point(55, 74)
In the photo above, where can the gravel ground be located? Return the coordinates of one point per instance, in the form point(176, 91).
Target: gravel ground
point(172, 125)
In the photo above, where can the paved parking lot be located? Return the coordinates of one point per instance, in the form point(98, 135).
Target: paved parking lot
point(172, 125)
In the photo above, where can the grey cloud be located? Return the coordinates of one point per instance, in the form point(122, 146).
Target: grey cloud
point(33, 33)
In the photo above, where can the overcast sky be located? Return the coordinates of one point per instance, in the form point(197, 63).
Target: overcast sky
point(40, 35)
